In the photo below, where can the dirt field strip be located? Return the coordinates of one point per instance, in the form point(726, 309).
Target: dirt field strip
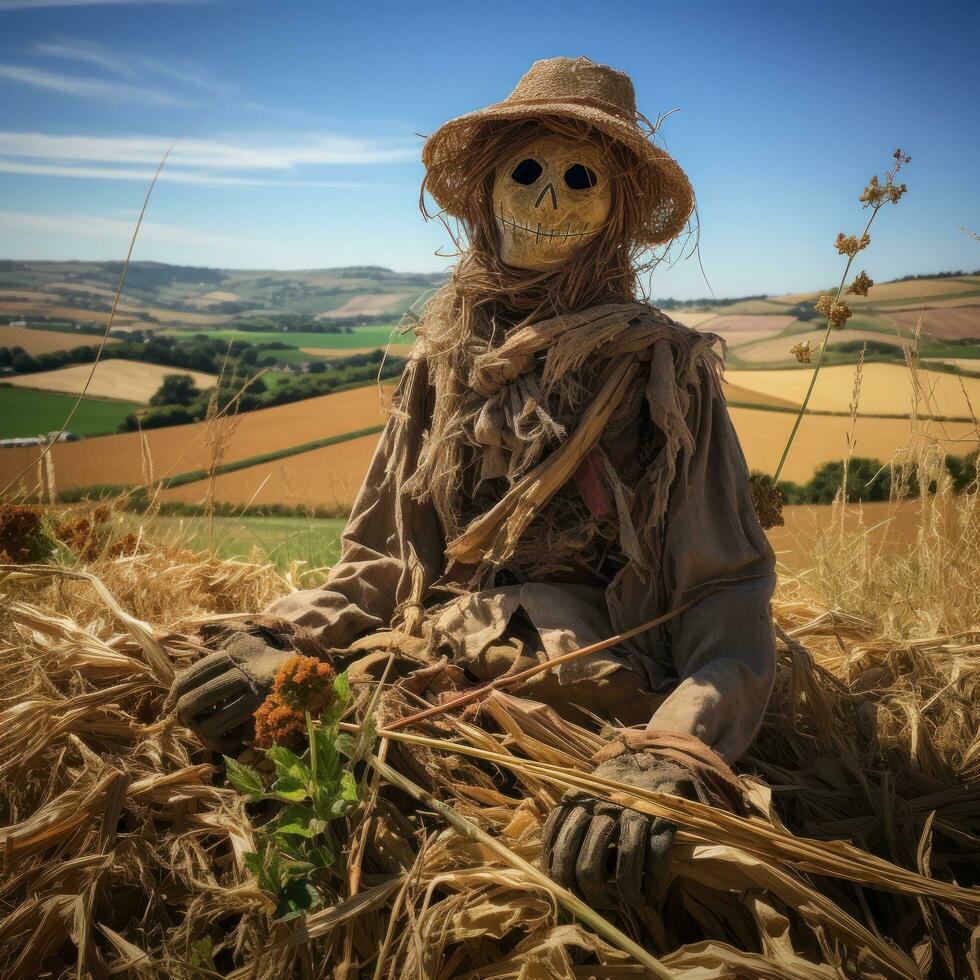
point(45, 341)
point(823, 438)
point(369, 304)
point(328, 477)
point(118, 459)
point(331, 476)
point(778, 348)
point(126, 380)
point(886, 389)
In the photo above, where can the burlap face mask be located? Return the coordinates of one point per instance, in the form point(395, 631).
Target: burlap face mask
point(549, 199)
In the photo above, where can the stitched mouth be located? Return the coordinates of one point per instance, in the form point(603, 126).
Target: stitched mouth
point(540, 233)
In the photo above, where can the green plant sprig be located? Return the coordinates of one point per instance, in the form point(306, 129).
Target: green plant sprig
point(297, 849)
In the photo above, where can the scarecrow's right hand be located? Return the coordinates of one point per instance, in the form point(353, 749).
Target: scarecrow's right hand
point(218, 696)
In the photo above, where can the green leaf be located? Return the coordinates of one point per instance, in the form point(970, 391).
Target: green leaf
point(300, 821)
point(341, 689)
point(287, 762)
point(322, 855)
point(244, 778)
point(348, 787)
point(298, 898)
point(288, 787)
point(202, 955)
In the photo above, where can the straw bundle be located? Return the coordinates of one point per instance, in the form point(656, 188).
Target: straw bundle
point(124, 849)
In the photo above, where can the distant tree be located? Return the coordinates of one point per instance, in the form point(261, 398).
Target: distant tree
point(867, 479)
point(177, 389)
point(316, 367)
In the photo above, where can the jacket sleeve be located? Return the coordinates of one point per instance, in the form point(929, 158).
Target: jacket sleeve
point(392, 546)
point(723, 648)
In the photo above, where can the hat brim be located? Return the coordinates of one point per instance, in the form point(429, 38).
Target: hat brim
point(672, 197)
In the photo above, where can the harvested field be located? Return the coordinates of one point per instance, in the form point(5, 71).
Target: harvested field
point(913, 289)
point(690, 319)
point(218, 296)
point(734, 393)
point(823, 438)
point(858, 858)
point(735, 323)
point(939, 304)
point(127, 380)
point(127, 313)
point(370, 304)
point(947, 323)
point(119, 459)
point(886, 389)
point(313, 478)
point(44, 341)
point(329, 478)
point(736, 341)
point(778, 348)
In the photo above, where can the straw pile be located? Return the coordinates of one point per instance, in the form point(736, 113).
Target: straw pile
point(123, 845)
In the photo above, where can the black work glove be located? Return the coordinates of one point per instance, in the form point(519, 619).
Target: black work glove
point(217, 697)
point(609, 854)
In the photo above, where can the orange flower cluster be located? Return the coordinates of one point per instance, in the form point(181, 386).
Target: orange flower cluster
point(862, 283)
point(302, 684)
point(20, 532)
point(850, 244)
point(836, 312)
point(91, 539)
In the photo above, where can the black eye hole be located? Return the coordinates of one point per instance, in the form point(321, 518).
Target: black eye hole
point(580, 178)
point(527, 171)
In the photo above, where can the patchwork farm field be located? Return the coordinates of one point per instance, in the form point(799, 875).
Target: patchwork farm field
point(124, 458)
point(886, 389)
point(35, 341)
point(329, 478)
point(48, 411)
point(332, 475)
point(127, 380)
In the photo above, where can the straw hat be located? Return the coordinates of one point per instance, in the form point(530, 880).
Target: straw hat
point(575, 88)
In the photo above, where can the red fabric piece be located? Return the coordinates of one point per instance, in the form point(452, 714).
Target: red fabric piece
point(588, 479)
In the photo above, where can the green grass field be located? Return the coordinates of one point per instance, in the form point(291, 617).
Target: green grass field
point(25, 412)
point(280, 540)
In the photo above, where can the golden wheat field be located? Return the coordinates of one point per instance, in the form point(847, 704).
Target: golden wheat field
point(776, 349)
point(325, 478)
point(45, 341)
point(322, 477)
point(134, 458)
point(886, 389)
point(126, 380)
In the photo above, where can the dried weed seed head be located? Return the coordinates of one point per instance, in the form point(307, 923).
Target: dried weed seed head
point(862, 283)
point(850, 245)
point(834, 310)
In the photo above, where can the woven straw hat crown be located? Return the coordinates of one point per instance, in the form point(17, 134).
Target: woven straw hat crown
point(574, 88)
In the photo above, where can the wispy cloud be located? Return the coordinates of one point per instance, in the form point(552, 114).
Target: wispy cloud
point(267, 151)
point(177, 177)
point(263, 160)
point(93, 226)
point(87, 88)
point(128, 64)
point(37, 4)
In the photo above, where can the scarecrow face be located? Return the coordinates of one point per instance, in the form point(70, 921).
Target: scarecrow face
point(549, 199)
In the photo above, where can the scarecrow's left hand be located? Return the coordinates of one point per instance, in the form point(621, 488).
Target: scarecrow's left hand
point(610, 854)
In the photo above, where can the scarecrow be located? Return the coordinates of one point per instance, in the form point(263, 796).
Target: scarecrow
point(559, 467)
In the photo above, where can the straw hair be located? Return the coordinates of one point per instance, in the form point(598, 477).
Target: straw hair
point(569, 89)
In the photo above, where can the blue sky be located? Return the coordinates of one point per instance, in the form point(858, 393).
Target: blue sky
point(301, 125)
